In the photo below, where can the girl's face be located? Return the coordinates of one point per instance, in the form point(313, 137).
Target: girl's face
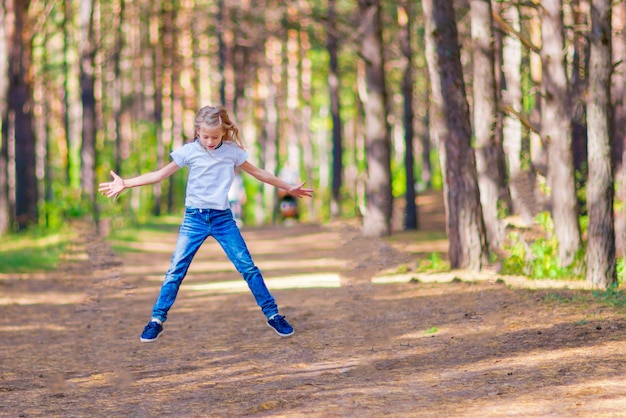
point(210, 136)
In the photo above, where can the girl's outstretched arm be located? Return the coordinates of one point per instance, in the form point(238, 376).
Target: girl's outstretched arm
point(266, 177)
point(118, 185)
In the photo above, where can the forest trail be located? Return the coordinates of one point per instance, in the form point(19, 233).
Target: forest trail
point(367, 342)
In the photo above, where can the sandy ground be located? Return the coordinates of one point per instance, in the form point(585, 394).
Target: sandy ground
point(368, 343)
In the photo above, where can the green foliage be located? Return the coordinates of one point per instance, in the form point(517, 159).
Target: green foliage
point(540, 258)
point(33, 250)
point(398, 179)
point(433, 263)
point(619, 268)
point(403, 269)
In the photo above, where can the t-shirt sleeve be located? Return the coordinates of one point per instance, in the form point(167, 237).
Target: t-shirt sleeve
point(179, 156)
point(240, 158)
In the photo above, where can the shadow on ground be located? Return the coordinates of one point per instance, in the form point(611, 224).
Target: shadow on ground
point(70, 340)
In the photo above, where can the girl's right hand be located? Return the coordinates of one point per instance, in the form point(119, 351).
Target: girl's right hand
point(112, 188)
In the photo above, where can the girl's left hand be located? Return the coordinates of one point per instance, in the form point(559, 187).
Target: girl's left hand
point(299, 191)
point(112, 188)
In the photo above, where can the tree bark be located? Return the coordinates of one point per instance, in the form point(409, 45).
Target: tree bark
point(6, 30)
point(556, 131)
point(601, 234)
point(406, 26)
point(489, 154)
point(20, 118)
point(465, 225)
point(335, 109)
point(377, 219)
point(618, 89)
point(88, 100)
point(511, 98)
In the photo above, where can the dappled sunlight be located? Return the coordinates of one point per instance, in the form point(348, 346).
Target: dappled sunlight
point(318, 263)
point(150, 247)
point(199, 266)
point(8, 244)
point(47, 298)
point(48, 326)
point(302, 281)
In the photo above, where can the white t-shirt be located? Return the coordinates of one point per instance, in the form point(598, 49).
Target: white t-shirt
point(210, 173)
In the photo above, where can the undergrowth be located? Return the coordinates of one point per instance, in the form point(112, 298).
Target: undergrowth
point(539, 259)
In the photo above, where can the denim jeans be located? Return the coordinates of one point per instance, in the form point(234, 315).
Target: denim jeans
point(198, 224)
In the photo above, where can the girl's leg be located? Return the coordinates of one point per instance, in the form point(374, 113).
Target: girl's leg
point(225, 231)
point(193, 231)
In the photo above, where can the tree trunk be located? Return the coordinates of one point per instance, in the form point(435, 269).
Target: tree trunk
point(465, 225)
point(21, 118)
point(377, 219)
point(618, 105)
point(601, 236)
point(579, 84)
point(488, 153)
point(6, 30)
point(405, 19)
point(117, 83)
point(88, 100)
point(67, 102)
point(618, 89)
point(511, 93)
point(556, 131)
point(334, 86)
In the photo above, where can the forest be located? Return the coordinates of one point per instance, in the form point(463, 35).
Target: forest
point(513, 109)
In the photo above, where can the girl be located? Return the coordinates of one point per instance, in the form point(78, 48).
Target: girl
point(212, 158)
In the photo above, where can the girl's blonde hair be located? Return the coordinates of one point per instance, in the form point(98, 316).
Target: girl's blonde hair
point(215, 116)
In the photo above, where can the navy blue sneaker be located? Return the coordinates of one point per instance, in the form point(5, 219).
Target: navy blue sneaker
point(151, 332)
point(279, 324)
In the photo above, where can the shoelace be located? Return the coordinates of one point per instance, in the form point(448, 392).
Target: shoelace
point(151, 325)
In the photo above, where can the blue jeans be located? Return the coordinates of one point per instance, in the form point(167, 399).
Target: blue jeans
point(198, 224)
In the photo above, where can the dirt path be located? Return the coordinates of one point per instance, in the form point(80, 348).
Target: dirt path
point(366, 343)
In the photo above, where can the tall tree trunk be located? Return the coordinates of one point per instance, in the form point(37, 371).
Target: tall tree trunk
point(21, 118)
point(335, 108)
point(305, 130)
point(579, 84)
point(167, 51)
point(601, 237)
point(465, 225)
point(618, 91)
point(377, 219)
point(405, 19)
point(272, 79)
point(67, 102)
point(88, 100)
point(225, 55)
point(488, 153)
point(556, 131)
point(6, 29)
point(117, 82)
point(618, 134)
point(511, 93)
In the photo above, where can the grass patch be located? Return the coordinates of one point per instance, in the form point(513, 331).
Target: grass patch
point(612, 297)
point(431, 330)
point(32, 251)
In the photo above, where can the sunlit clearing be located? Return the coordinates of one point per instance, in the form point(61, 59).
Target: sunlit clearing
point(303, 281)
